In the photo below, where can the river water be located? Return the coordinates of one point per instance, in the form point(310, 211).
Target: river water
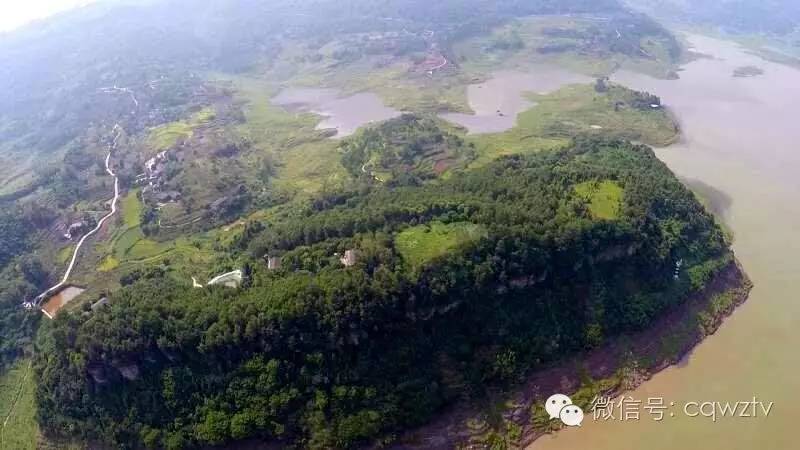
point(742, 140)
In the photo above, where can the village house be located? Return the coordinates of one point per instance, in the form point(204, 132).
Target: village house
point(74, 229)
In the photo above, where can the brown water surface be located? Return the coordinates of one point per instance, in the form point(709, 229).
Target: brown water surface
point(59, 300)
point(742, 140)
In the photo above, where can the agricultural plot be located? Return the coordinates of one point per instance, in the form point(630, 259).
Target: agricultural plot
point(604, 198)
point(424, 243)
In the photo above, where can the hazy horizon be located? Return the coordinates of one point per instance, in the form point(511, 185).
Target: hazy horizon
point(19, 14)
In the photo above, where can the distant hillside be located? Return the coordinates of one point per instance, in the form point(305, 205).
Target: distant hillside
point(49, 93)
point(779, 17)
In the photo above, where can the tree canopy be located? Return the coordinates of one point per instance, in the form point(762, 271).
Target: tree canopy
point(316, 354)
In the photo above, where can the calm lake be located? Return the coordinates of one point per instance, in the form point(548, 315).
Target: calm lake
point(743, 141)
point(498, 101)
point(343, 113)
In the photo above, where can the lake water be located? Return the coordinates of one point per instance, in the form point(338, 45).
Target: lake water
point(497, 102)
point(743, 141)
point(344, 113)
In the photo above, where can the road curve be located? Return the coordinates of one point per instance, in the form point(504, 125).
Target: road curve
point(100, 223)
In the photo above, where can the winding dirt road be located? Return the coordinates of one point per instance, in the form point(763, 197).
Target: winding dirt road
point(111, 148)
point(97, 228)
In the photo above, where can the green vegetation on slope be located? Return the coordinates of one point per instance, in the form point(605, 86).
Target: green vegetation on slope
point(316, 355)
point(295, 156)
point(20, 277)
point(319, 355)
point(170, 134)
point(606, 109)
point(15, 236)
point(603, 197)
point(18, 407)
point(424, 243)
point(769, 27)
point(406, 147)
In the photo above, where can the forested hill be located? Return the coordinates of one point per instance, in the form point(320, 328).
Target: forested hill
point(452, 284)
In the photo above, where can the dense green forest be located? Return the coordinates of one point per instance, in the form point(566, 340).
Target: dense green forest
point(15, 236)
point(408, 146)
point(460, 282)
point(407, 279)
point(20, 277)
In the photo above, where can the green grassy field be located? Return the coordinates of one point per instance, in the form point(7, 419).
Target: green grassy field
point(108, 264)
point(572, 110)
point(65, 254)
point(165, 136)
point(17, 408)
point(147, 248)
point(421, 244)
point(130, 243)
point(131, 209)
point(126, 241)
point(604, 198)
point(305, 160)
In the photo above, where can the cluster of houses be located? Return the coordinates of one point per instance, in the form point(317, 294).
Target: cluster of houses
point(349, 259)
point(153, 180)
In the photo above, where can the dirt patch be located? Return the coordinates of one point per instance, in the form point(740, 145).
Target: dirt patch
point(464, 425)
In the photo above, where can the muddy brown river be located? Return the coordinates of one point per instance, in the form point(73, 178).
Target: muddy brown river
point(742, 139)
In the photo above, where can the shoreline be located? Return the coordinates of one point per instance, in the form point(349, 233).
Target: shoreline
point(614, 368)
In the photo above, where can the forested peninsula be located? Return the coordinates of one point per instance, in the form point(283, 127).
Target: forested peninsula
point(390, 302)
